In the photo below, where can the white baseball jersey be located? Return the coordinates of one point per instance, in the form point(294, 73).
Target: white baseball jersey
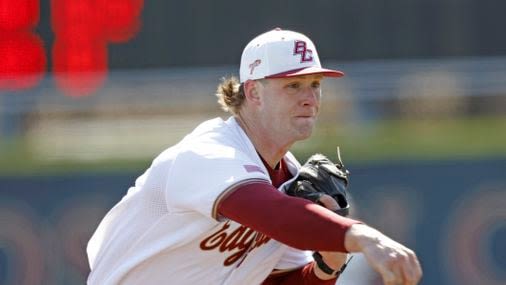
point(165, 230)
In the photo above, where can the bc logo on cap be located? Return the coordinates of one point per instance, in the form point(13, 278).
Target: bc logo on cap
point(305, 53)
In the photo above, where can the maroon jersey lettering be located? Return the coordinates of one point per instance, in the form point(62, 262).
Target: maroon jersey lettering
point(237, 242)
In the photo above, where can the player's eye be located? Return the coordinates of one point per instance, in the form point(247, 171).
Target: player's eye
point(315, 85)
point(293, 85)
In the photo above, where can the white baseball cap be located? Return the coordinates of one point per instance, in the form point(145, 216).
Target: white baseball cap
point(281, 53)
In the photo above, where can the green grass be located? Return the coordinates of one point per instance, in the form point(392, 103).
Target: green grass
point(470, 138)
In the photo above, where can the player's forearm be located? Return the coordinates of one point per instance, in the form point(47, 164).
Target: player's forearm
point(360, 236)
point(293, 221)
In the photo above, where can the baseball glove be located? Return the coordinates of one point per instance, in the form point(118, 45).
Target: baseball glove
point(318, 176)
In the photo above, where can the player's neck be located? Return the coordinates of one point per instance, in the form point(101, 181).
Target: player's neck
point(270, 150)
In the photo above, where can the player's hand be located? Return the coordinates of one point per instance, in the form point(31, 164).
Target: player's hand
point(395, 263)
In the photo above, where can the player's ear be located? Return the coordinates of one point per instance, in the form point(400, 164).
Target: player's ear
point(251, 91)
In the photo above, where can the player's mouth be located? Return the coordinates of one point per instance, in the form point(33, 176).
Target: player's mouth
point(311, 118)
point(306, 116)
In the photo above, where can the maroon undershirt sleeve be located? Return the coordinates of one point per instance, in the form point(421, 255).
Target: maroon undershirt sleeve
point(293, 221)
point(302, 276)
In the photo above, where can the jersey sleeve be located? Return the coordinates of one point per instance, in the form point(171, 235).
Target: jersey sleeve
point(199, 177)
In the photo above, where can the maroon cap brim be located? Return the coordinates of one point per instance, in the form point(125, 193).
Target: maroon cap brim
point(307, 71)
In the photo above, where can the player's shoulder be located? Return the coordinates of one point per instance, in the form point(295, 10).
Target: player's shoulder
point(209, 132)
point(216, 125)
point(214, 144)
point(219, 133)
point(215, 138)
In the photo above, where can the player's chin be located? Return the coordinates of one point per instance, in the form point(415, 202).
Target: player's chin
point(304, 131)
point(304, 124)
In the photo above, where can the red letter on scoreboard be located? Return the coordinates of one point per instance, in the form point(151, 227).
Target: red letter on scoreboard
point(22, 55)
point(83, 29)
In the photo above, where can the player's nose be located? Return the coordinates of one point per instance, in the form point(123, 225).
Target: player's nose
point(311, 96)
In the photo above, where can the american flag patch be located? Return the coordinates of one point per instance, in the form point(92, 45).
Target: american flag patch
point(253, 168)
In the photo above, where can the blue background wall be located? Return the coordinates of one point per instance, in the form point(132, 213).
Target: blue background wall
point(452, 213)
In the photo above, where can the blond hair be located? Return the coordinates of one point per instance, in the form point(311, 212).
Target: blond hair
point(230, 95)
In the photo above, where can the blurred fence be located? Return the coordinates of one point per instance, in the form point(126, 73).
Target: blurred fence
point(135, 114)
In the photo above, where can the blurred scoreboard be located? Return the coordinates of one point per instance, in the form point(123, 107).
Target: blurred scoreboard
point(79, 53)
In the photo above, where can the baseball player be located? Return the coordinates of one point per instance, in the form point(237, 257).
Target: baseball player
point(212, 209)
